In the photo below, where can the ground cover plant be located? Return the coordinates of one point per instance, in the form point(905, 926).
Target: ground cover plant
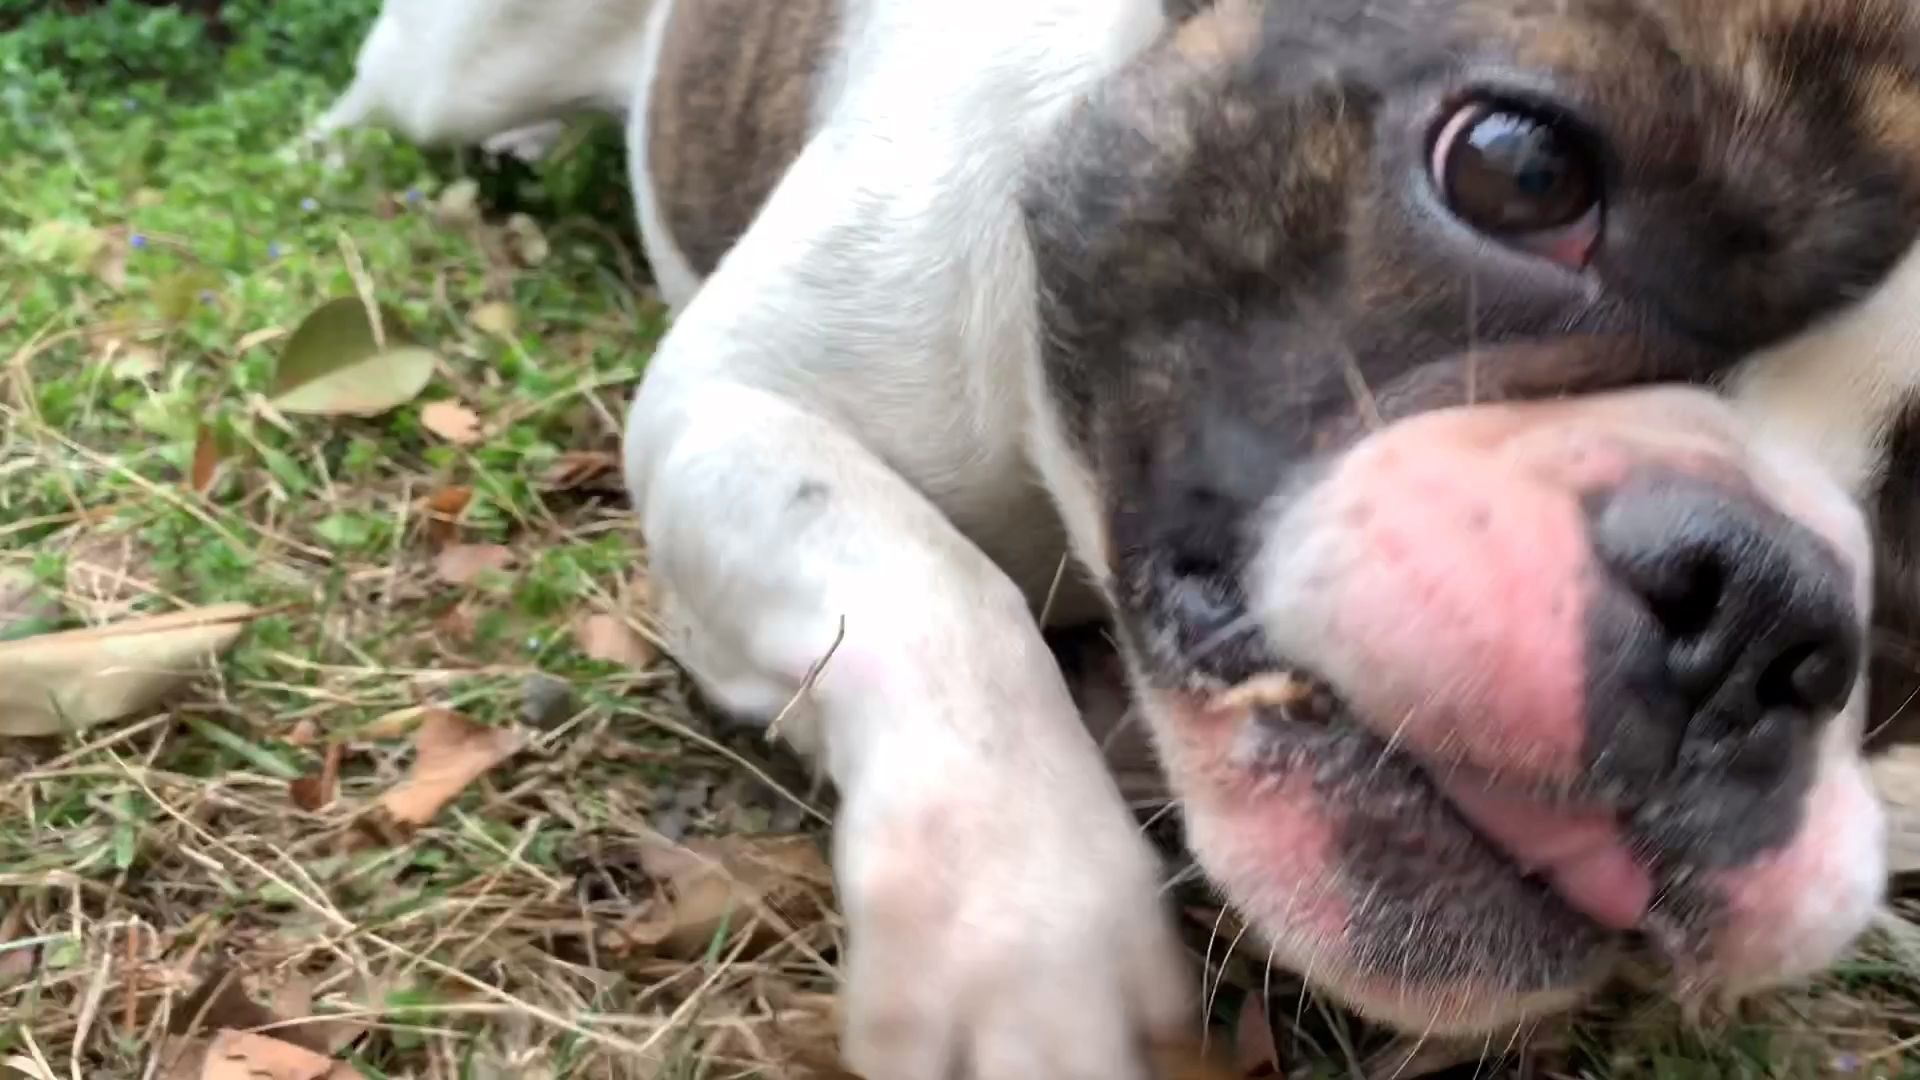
point(440, 807)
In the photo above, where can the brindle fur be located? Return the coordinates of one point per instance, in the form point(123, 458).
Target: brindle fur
point(732, 105)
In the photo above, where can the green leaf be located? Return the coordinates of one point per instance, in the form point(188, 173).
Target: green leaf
point(258, 756)
point(332, 365)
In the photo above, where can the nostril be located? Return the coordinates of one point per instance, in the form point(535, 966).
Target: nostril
point(1743, 614)
point(1685, 595)
point(1815, 678)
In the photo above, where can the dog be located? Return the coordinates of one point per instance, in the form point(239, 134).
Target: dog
point(450, 72)
point(1487, 429)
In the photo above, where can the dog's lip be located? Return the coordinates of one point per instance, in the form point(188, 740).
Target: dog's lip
point(1576, 849)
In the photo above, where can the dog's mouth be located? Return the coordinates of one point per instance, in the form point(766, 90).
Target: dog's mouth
point(1576, 850)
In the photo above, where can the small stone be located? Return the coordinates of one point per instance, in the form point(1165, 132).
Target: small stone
point(545, 700)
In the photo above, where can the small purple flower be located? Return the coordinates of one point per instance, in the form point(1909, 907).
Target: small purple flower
point(413, 195)
point(273, 250)
point(207, 297)
point(309, 204)
point(138, 240)
point(1846, 1063)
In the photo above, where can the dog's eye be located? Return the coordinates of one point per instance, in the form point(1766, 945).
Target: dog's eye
point(1520, 178)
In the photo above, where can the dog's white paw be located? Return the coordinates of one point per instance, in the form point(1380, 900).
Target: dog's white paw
point(998, 937)
point(530, 144)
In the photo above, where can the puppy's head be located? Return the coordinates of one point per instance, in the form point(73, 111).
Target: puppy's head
point(1388, 363)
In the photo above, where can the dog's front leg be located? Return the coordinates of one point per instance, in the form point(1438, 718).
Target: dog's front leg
point(1003, 910)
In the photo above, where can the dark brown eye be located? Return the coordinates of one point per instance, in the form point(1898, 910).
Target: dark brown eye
point(1520, 178)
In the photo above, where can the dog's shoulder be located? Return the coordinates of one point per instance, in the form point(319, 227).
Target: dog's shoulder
point(921, 102)
point(870, 250)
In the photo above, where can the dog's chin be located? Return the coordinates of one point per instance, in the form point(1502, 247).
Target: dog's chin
point(1353, 868)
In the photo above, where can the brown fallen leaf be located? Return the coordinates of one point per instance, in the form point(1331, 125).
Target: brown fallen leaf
point(768, 886)
point(314, 792)
point(1254, 1046)
point(17, 958)
point(179, 1058)
point(450, 752)
point(458, 624)
point(206, 460)
point(609, 638)
point(79, 678)
point(220, 1001)
point(462, 564)
point(451, 421)
point(443, 509)
point(293, 999)
point(235, 1055)
point(1896, 777)
point(599, 469)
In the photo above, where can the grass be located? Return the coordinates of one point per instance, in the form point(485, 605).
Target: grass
point(154, 253)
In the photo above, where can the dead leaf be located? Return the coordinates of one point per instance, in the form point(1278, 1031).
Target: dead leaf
point(293, 998)
point(450, 752)
point(451, 421)
point(462, 564)
point(337, 363)
point(1254, 1046)
point(17, 959)
point(182, 1059)
point(206, 459)
point(609, 638)
point(220, 1001)
point(767, 885)
point(581, 468)
point(443, 509)
point(1896, 777)
point(235, 1055)
point(312, 793)
point(458, 623)
point(496, 318)
point(73, 680)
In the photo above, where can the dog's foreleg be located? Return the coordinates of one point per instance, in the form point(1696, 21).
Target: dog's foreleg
point(530, 144)
point(1003, 910)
